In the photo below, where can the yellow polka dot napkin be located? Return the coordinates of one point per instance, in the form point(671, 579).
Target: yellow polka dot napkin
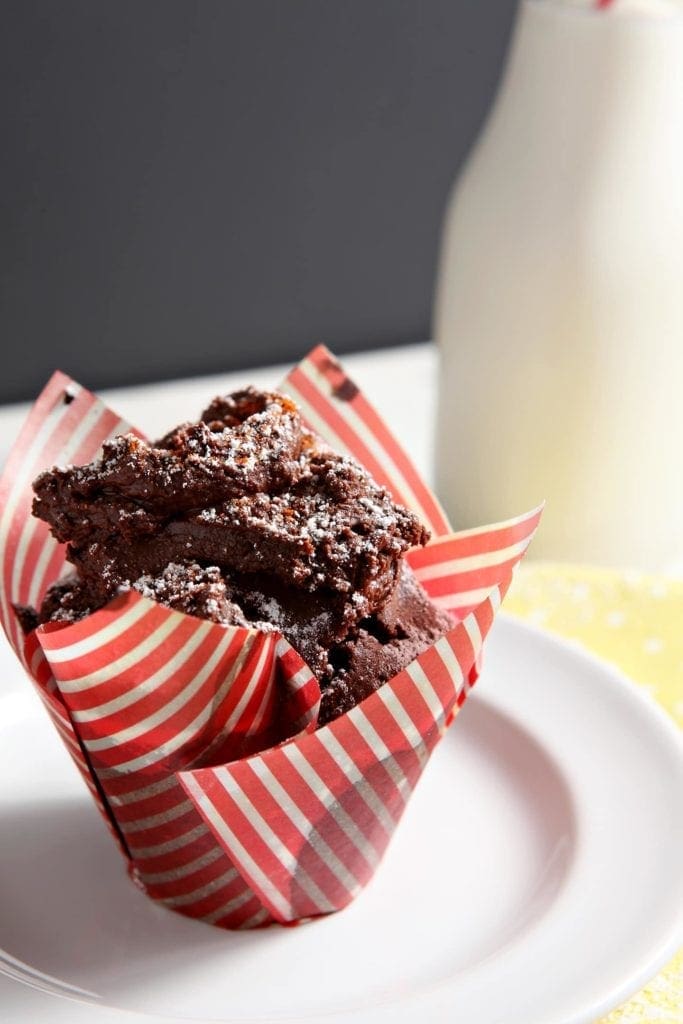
point(636, 622)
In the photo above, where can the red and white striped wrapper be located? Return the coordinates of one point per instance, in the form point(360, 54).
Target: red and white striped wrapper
point(197, 741)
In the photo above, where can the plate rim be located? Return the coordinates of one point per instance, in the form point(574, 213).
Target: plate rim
point(633, 981)
point(642, 698)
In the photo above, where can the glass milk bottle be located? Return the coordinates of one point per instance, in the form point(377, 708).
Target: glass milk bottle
point(559, 307)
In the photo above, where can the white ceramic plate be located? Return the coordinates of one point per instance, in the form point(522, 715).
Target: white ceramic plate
point(537, 877)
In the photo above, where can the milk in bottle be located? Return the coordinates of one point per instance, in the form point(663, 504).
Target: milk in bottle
point(559, 306)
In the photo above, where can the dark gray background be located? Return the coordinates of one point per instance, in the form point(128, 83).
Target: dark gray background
point(189, 187)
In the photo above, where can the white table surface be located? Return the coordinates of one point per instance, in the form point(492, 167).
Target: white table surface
point(395, 380)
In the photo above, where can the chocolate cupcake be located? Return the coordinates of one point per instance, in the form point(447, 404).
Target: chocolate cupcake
point(246, 518)
point(221, 579)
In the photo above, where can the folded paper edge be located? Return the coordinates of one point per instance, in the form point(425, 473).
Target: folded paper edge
point(338, 410)
point(451, 657)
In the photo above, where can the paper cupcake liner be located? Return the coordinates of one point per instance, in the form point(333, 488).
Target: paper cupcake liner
point(197, 741)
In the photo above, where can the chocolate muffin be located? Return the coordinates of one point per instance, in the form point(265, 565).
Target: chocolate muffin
point(247, 518)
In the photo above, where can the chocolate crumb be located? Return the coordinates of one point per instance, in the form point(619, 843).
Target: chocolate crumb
point(343, 387)
point(346, 391)
point(28, 617)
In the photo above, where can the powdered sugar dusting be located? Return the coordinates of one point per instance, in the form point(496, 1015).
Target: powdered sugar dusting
point(243, 518)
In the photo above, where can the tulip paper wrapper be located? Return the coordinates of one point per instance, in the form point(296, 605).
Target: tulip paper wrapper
point(198, 741)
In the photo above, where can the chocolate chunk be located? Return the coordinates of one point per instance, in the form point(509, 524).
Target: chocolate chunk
point(311, 536)
point(380, 647)
point(28, 617)
point(195, 590)
point(197, 465)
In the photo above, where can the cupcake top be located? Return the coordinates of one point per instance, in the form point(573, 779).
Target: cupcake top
point(247, 488)
point(247, 518)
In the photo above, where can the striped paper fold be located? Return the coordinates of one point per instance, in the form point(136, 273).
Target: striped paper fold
point(198, 742)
